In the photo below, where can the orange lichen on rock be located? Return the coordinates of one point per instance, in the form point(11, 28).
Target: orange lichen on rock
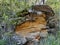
point(28, 26)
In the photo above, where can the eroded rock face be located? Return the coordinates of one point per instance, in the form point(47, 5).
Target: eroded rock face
point(32, 31)
point(30, 26)
point(36, 26)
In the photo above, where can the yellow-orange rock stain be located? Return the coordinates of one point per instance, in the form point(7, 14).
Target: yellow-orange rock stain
point(29, 26)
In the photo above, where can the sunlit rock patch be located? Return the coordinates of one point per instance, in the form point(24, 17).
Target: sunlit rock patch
point(36, 25)
point(30, 26)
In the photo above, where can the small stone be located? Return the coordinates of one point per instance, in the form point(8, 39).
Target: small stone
point(43, 33)
point(32, 36)
point(19, 39)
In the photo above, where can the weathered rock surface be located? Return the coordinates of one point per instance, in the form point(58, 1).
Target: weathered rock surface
point(36, 26)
